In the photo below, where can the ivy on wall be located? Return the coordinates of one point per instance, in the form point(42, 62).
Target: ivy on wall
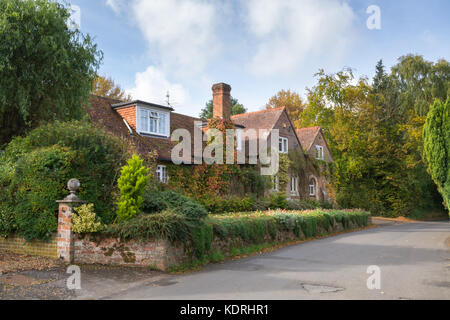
point(226, 180)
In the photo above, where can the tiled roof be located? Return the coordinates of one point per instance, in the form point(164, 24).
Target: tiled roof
point(102, 114)
point(307, 136)
point(264, 119)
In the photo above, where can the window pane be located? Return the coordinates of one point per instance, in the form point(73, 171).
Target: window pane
point(152, 125)
point(162, 123)
point(143, 120)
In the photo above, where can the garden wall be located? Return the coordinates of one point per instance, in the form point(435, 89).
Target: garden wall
point(160, 254)
point(37, 248)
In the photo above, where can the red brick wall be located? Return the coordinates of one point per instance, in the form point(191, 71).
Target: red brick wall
point(129, 114)
point(19, 245)
point(157, 253)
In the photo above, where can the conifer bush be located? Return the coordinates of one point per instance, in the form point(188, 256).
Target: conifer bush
point(436, 135)
point(133, 180)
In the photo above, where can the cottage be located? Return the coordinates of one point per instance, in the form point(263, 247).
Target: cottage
point(149, 126)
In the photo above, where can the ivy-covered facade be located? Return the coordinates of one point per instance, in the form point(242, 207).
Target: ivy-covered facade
point(302, 173)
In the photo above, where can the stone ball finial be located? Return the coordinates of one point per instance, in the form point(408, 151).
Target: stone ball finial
point(73, 185)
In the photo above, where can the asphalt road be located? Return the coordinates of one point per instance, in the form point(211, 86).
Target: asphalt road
point(414, 262)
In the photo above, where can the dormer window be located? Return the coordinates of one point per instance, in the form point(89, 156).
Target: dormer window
point(283, 145)
point(319, 152)
point(152, 121)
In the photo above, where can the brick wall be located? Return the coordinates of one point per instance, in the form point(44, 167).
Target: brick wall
point(38, 248)
point(129, 114)
point(157, 253)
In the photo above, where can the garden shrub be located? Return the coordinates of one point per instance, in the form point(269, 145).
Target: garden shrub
point(202, 237)
point(34, 171)
point(85, 220)
point(132, 183)
point(7, 221)
point(278, 200)
point(39, 179)
point(157, 200)
point(167, 225)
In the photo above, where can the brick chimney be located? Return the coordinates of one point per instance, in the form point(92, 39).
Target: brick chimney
point(221, 101)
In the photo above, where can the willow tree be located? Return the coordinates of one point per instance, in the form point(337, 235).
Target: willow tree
point(46, 68)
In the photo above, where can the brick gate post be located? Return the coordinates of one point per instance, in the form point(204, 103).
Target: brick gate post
point(65, 212)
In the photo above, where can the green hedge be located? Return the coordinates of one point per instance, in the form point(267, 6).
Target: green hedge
point(254, 227)
point(167, 225)
point(251, 228)
point(158, 200)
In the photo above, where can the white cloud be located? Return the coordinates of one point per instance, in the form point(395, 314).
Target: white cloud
point(182, 31)
point(290, 31)
point(152, 86)
point(115, 5)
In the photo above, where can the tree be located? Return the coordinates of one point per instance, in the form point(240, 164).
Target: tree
point(105, 87)
point(436, 136)
point(291, 100)
point(132, 183)
point(46, 69)
point(34, 171)
point(374, 131)
point(236, 108)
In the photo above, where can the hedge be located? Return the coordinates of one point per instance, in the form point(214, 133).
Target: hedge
point(255, 226)
point(251, 227)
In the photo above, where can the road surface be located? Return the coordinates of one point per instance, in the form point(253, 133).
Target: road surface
point(413, 259)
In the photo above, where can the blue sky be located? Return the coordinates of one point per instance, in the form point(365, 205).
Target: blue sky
point(257, 46)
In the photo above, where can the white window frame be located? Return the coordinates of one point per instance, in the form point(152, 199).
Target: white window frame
point(312, 187)
point(275, 182)
point(283, 145)
point(162, 174)
point(158, 113)
point(319, 152)
point(293, 184)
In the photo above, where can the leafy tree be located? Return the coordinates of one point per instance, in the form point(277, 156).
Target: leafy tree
point(105, 87)
point(132, 183)
point(34, 171)
point(436, 136)
point(46, 69)
point(236, 108)
point(289, 99)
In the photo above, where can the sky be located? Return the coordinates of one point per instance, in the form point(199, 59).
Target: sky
point(259, 47)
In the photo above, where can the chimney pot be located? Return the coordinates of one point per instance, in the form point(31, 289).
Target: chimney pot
point(221, 101)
